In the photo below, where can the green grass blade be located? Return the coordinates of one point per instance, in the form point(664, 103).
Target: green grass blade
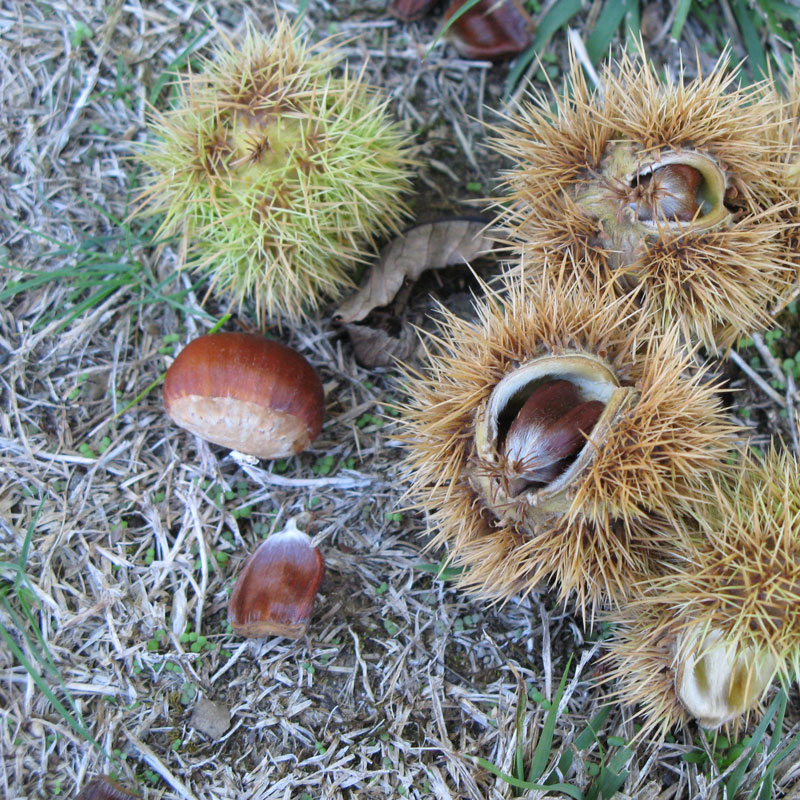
point(63, 712)
point(613, 776)
point(24, 625)
point(174, 66)
point(556, 17)
point(681, 14)
point(519, 755)
point(785, 11)
point(564, 763)
point(589, 734)
point(545, 743)
point(605, 29)
point(748, 26)
point(764, 786)
point(633, 26)
point(94, 299)
point(737, 776)
point(582, 741)
point(571, 791)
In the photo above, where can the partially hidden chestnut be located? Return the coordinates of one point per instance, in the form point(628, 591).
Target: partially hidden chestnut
point(408, 10)
point(491, 29)
point(551, 427)
point(246, 392)
point(668, 192)
point(275, 591)
point(104, 788)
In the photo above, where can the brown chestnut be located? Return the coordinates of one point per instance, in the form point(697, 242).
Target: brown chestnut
point(491, 29)
point(246, 392)
point(668, 192)
point(550, 428)
point(275, 591)
point(104, 788)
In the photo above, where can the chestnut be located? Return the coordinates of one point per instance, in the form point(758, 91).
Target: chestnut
point(103, 787)
point(246, 392)
point(550, 429)
point(491, 29)
point(275, 591)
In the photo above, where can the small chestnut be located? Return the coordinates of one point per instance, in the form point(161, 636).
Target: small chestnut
point(104, 788)
point(246, 392)
point(668, 192)
point(491, 29)
point(275, 591)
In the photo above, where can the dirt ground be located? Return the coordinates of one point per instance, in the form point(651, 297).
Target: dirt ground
point(120, 535)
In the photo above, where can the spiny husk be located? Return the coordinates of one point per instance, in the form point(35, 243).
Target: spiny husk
point(278, 173)
point(620, 524)
point(741, 584)
point(718, 274)
point(786, 139)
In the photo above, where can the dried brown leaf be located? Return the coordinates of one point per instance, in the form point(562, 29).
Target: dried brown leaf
point(408, 10)
point(375, 347)
point(430, 245)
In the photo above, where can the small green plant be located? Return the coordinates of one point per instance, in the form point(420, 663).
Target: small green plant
point(733, 759)
point(18, 603)
point(442, 571)
point(608, 774)
point(94, 269)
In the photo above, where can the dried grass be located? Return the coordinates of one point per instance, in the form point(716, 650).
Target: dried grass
point(400, 680)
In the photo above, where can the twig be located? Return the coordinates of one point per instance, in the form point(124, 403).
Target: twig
point(262, 476)
point(757, 379)
point(769, 359)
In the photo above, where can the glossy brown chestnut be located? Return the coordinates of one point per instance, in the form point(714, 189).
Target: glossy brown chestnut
point(550, 428)
point(103, 788)
point(491, 29)
point(275, 591)
point(669, 192)
point(246, 392)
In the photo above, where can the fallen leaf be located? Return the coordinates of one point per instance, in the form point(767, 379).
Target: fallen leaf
point(430, 245)
point(408, 10)
point(375, 347)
